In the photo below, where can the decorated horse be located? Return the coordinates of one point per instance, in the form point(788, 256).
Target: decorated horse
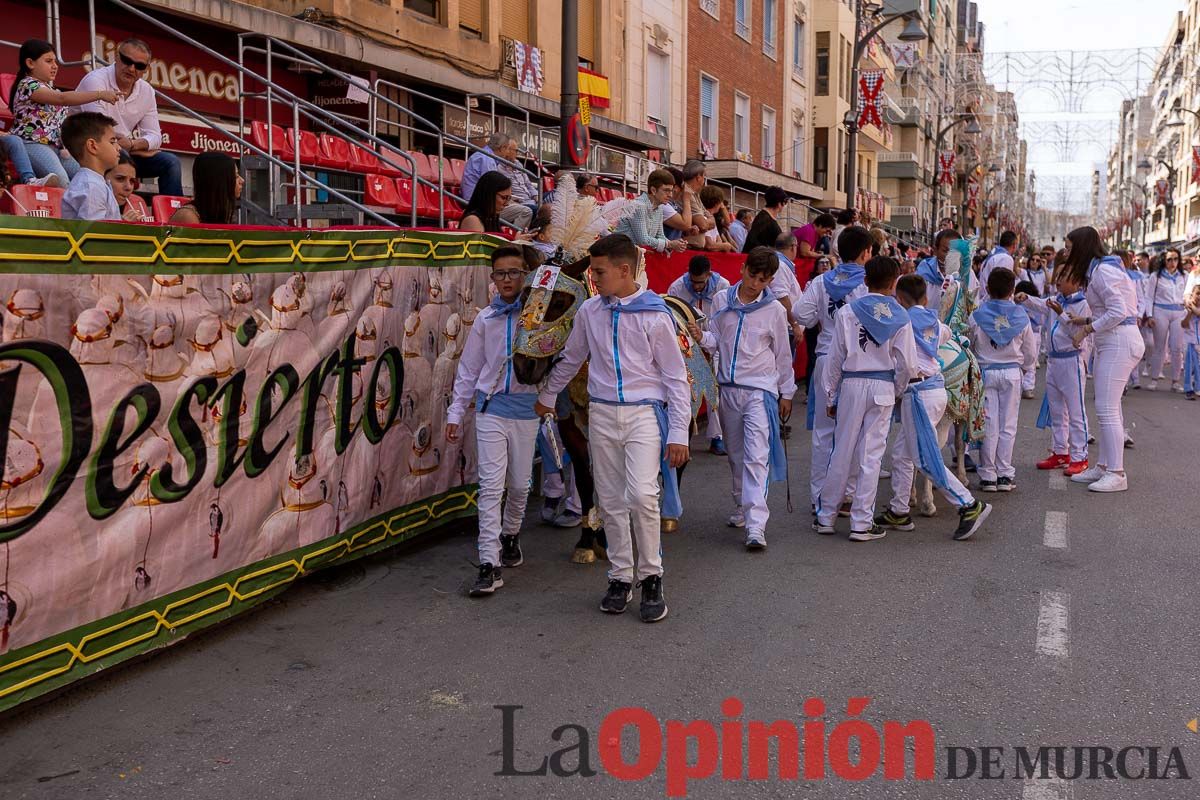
point(964, 379)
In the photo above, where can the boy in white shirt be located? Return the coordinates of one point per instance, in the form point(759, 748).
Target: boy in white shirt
point(1063, 409)
point(699, 287)
point(506, 426)
point(750, 330)
point(1004, 344)
point(639, 415)
point(921, 408)
point(872, 357)
point(820, 302)
point(92, 141)
point(1191, 342)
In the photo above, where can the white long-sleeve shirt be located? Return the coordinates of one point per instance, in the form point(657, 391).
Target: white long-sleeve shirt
point(1022, 349)
point(898, 353)
point(486, 363)
point(632, 357)
point(1139, 289)
point(814, 309)
point(754, 349)
point(680, 288)
point(1165, 289)
point(935, 291)
point(928, 365)
point(1111, 295)
point(785, 284)
point(137, 113)
point(999, 258)
point(1060, 325)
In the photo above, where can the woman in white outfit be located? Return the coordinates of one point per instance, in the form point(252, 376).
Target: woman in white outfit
point(1164, 301)
point(1112, 298)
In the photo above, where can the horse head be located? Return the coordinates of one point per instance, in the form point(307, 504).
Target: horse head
point(549, 301)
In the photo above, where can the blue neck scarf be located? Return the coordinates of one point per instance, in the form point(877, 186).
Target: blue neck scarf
point(1163, 273)
point(1065, 300)
point(1001, 320)
point(926, 329)
point(931, 271)
point(881, 316)
point(997, 251)
point(498, 308)
point(646, 301)
point(1136, 274)
point(843, 280)
point(1112, 261)
point(709, 289)
point(733, 303)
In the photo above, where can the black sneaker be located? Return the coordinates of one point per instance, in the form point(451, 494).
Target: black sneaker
point(510, 551)
point(874, 532)
point(617, 598)
point(898, 522)
point(988, 486)
point(654, 605)
point(1005, 485)
point(489, 580)
point(970, 519)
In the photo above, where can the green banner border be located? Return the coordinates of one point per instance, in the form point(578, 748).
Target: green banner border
point(58, 660)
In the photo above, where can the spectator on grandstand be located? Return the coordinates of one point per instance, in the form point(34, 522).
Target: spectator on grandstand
point(522, 201)
point(218, 189)
point(123, 180)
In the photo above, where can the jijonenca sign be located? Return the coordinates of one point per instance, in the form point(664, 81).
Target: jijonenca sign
point(191, 419)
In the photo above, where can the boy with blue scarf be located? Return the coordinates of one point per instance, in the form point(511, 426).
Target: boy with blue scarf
point(749, 329)
point(1004, 344)
point(872, 357)
point(639, 413)
point(921, 409)
point(699, 287)
point(506, 426)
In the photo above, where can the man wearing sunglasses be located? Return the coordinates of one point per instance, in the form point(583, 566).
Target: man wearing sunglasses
point(136, 114)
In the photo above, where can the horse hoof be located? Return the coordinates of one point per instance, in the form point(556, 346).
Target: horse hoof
point(583, 555)
point(600, 552)
point(928, 510)
point(669, 525)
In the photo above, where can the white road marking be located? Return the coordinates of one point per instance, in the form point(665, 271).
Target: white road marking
point(1049, 789)
point(1053, 625)
point(1055, 535)
point(1058, 480)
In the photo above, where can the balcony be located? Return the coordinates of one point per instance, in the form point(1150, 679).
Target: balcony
point(903, 217)
point(904, 111)
point(900, 166)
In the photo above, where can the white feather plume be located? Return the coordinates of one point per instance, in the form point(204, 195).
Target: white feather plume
point(575, 222)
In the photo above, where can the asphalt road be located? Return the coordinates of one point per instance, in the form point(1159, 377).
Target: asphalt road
point(380, 679)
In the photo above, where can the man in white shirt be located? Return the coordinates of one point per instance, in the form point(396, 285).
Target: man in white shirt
point(136, 114)
point(740, 227)
point(1002, 256)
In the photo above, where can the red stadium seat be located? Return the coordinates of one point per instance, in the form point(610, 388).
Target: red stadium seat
point(424, 169)
point(333, 152)
point(6, 117)
point(447, 173)
point(457, 165)
point(430, 202)
point(399, 166)
point(24, 200)
point(137, 202)
point(381, 191)
point(363, 160)
point(271, 139)
point(307, 143)
point(166, 205)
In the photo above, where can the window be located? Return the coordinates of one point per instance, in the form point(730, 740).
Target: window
point(658, 86)
point(709, 90)
point(586, 32)
point(839, 161)
point(823, 64)
point(769, 28)
point(514, 19)
point(711, 7)
point(470, 16)
point(821, 157)
point(797, 151)
point(798, 48)
point(741, 123)
point(742, 18)
point(427, 7)
point(768, 137)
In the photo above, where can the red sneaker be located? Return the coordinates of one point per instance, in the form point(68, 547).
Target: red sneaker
point(1054, 461)
point(1076, 467)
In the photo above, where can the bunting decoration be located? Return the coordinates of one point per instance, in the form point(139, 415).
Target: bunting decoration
point(1161, 189)
point(1196, 163)
point(527, 60)
point(946, 167)
point(870, 84)
point(972, 195)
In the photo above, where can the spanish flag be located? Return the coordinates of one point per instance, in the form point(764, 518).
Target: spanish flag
point(594, 87)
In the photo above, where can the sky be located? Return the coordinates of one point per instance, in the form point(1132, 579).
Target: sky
point(1061, 25)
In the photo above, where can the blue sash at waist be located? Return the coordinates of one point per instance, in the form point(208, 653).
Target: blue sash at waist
point(871, 374)
point(1002, 365)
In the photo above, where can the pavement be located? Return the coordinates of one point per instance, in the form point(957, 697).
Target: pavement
point(1068, 621)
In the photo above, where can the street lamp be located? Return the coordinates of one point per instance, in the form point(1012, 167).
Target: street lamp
point(912, 32)
point(1175, 120)
point(1147, 164)
point(971, 128)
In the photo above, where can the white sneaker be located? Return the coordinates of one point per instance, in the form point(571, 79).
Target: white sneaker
point(885, 474)
point(737, 520)
point(1090, 475)
point(50, 181)
point(1153, 386)
point(1176, 386)
point(1145, 372)
point(1111, 482)
point(755, 540)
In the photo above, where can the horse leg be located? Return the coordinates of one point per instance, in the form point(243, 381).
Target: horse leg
point(960, 451)
point(592, 543)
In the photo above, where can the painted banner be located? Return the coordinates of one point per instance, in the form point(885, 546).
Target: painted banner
point(193, 418)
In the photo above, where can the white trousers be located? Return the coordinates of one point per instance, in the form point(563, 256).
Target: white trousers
point(822, 437)
point(1065, 382)
point(864, 413)
point(748, 440)
point(1168, 340)
point(1117, 351)
point(1029, 379)
point(905, 458)
point(505, 448)
point(1001, 402)
point(626, 450)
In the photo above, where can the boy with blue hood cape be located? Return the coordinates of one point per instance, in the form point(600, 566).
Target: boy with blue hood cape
point(872, 357)
point(1004, 344)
